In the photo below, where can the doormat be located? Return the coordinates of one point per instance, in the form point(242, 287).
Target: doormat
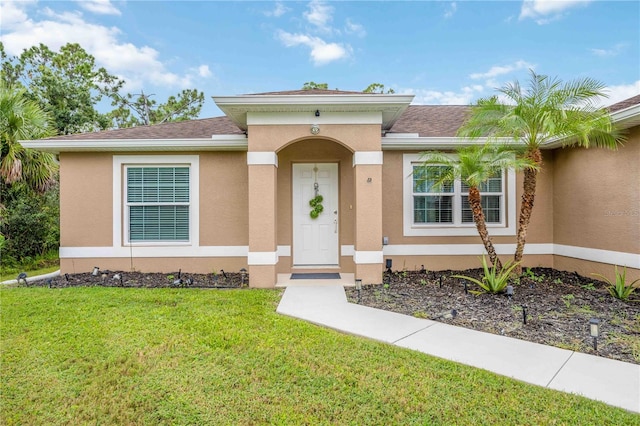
point(320, 276)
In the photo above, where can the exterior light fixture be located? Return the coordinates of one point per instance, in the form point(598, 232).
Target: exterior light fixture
point(466, 287)
point(315, 129)
point(388, 264)
point(66, 277)
point(524, 314)
point(509, 291)
point(440, 281)
point(317, 113)
point(359, 288)
point(422, 270)
point(594, 331)
point(96, 271)
point(22, 278)
point(243, 276)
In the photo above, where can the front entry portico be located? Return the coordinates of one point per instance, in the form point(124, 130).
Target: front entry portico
point(294, 142)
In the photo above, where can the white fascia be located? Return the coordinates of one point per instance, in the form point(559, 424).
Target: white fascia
point(238, 108)
point(308, 118)
point(216, 143)
point(413, 142)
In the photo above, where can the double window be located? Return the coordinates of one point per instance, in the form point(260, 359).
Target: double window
point(432, 209)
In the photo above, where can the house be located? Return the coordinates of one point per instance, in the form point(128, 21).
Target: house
point(239, 191)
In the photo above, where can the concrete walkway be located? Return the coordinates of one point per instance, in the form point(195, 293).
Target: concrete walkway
point(613, 382)
point(35, 278)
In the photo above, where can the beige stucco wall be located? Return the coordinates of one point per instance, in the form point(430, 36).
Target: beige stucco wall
point(597, 197)
point(597, 203)
point(86, 187)
point(86, 211)
point(224, 199)
point(357, 137)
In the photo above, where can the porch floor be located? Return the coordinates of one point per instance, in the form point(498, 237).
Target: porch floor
point(346, 280)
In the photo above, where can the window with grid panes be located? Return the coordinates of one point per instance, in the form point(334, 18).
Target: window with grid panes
point(448, 204)
point(157, 201)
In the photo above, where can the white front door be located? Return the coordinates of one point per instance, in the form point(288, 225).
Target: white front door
point(315, 240)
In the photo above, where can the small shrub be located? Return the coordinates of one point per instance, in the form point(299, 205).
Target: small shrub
point(620, 289)
point(494, 281)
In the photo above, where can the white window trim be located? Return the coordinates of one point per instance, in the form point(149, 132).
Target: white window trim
point(456, 229)
point(120, 217)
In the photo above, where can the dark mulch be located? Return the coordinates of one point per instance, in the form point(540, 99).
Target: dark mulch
point(146, 280)
point(558, 308)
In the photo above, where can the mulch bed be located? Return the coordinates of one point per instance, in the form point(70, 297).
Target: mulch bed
point(146, 280)
point(558, 308)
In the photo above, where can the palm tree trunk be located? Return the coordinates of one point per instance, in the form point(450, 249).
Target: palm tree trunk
point(528, 198)
point(478, 218)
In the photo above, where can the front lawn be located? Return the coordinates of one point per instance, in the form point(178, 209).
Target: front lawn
point(184, 356)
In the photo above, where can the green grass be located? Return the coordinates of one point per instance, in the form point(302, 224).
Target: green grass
point(172, 357)
point(48, 262)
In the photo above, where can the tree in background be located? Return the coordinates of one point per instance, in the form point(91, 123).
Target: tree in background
point(70, 86)
point(310, 85)
point(67, 84)
point(377, 88)
point(474, 166)
point(23, 119)
point(141, 110)
point(546, 110)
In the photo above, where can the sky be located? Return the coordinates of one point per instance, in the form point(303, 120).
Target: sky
point(443, 52)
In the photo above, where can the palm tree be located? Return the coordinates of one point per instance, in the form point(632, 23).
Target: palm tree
point(23, 119)
point(547, 110)
point(474, 165)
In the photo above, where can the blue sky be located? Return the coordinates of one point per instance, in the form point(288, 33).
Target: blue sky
point(443, 52)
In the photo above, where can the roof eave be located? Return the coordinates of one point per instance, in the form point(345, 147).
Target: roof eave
point(216, 143)
point(237, 107)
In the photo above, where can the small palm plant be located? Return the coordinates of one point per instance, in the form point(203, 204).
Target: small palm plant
point(620, 289)
point(474, 165)
point(494, 280)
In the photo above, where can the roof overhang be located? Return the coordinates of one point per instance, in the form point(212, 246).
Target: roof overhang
point(216, 143)
point(236, 108)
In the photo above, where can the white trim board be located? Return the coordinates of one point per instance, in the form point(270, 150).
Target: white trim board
point(630, 260)
point(257, 158)
point(367, 158)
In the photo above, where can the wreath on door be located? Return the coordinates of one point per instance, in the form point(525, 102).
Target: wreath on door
point(317, 208)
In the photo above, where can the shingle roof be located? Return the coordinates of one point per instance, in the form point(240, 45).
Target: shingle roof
point(431, 120)
point(625, 104)
point(192, 129)
point(425, 120)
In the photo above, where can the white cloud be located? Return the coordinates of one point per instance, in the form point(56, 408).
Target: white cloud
point(354, 28)
point(465, 96)
point(204, 71)
point(545, 11)
point(321, 52)
point(101, 7)
point(613, 51)
point(620, 93)
point(319, 15)
point(453, 7)
point(279, 10)
point(140, 66)
point(498, 70)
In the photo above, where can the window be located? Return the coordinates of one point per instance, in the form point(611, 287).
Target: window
point(155, 201)
point(431, 209)
point(158, 203)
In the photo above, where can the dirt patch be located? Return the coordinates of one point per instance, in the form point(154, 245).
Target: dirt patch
point(558, 307)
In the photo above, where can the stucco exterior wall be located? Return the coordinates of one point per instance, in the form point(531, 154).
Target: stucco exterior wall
point(86, 212)
point(597, 202)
